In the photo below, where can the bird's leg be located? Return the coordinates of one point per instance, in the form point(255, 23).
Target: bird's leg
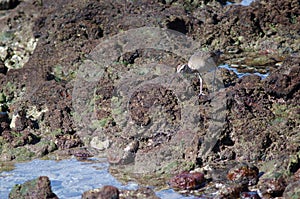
point(214, 81)
point(201, 85)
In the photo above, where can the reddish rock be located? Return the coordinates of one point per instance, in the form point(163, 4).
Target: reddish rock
point(187, 181)
point(245, 174)
point(106, 192)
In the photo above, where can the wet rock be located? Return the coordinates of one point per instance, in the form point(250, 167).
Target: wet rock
point(244, 173)
point(229, 77)
point(106, 192)
point(37, 188)
point(141, 193)
point(187, 181)
point(82, 155)
point(8, 4)
point(272, 186)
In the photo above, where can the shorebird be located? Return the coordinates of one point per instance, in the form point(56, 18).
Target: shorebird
point(200, 62)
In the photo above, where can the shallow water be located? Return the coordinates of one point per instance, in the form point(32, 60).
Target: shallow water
point(69, 178)
point(243, 2)
point(240, 75)
point(246, 2)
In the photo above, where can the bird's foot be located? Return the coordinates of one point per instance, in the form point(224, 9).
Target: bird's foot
point(201, 94)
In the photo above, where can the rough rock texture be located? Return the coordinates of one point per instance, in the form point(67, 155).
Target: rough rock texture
point(102, 193)
point(43, 44)
point(111, 192)
point(37, 188)
point(142, 192)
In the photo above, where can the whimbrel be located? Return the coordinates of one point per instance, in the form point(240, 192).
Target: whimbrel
point(201, 62)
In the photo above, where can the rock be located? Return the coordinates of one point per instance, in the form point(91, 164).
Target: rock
point(67, 141)
point(21, 139)
point(4, 121)
point(106, 192)
point(292, 190)
point(99, 144)
point(37, 188)
point(122, 155)
point(8, 4)
point(169, 156)
point(244, 174)
point(259, 126)
point(82, 155)
point(231, 191)
point(111, 192)
point(249, 195)
point(187, 181)
point(271, 186)
point(297, 175)
point(3, 68)
point(141, 193)
point(19, 121)
point(284, 81)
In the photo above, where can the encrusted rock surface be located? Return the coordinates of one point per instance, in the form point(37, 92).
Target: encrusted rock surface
point(42, 47)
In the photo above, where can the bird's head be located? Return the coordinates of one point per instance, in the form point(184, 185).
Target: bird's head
point(216, 55)
point(182, 68)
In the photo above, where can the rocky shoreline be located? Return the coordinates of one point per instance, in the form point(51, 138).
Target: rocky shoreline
point(247, 147)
